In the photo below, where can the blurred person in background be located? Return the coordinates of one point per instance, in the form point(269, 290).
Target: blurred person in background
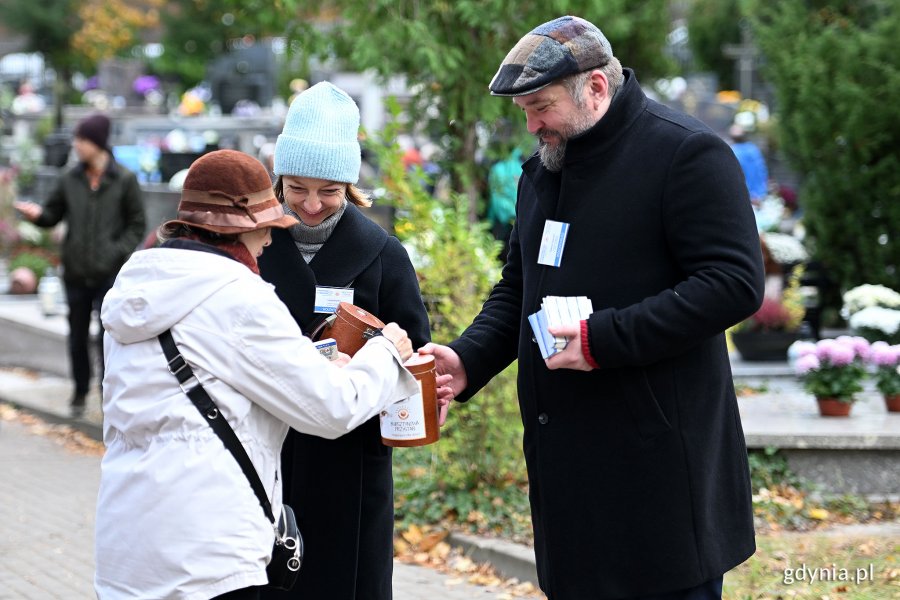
point(100, 201)
point(753, 164)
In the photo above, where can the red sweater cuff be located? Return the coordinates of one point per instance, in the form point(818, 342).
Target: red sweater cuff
point(586, 346)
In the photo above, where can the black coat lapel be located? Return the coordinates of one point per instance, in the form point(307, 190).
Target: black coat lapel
point(282, 265)
point(546, 186)
point(353, 245)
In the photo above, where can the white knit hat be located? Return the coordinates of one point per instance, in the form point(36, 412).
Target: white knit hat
point(319, 138)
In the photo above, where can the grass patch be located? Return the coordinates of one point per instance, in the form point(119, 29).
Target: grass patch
point(818, 566)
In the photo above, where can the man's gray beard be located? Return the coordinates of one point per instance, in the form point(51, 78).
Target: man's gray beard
point(552, 157)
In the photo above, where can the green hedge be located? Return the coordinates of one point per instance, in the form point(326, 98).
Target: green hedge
point(836, 76)
point(475, 474)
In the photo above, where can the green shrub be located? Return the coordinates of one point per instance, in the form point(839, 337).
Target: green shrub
point(835, 71)
point(475, 474)
point(769, 469)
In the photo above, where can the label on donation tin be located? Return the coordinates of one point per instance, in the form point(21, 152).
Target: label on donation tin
point(404, 420)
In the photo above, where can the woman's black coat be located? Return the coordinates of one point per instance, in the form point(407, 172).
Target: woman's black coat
point(342, 490)
point(638, 471)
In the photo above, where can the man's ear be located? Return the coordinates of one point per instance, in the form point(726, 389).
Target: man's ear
point(599, 85)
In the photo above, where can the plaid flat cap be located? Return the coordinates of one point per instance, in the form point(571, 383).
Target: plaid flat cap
point(560, 47)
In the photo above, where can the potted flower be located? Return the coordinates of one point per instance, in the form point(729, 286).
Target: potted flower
point(833, 372)
point(876, 323)
point(768, 333)
point(885, 362)
point(866, 295)
point(784, 249)
point(873, 311)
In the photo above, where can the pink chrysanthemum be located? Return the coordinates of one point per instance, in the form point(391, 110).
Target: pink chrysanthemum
point(806, 363)
point(841, 355)
point(860, 345)
point(804, 348)
point(882, 354)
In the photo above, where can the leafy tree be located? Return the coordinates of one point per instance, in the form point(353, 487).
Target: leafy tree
point(111, 26)
point(74, 35)
point(449, 51)
point(198, 31)
point(195, 33)
point(711, 25)
point(834, 67)
point(49, 26)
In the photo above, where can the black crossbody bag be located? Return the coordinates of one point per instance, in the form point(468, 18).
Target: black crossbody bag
point(287, 553)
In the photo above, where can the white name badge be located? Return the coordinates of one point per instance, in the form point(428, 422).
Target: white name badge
point(328, 298)
point(552, 243)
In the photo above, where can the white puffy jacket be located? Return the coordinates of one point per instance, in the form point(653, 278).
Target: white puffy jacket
point(176, 517)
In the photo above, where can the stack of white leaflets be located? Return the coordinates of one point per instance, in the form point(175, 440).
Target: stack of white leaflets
point(556, 311)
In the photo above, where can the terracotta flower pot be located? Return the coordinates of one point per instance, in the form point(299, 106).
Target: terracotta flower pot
point(892, 403)
point(832, 407)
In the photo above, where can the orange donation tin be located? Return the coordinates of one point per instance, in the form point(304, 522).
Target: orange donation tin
point(351, 327)
point(414, 421)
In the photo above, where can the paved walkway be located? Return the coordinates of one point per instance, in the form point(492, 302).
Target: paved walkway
point(47, 503)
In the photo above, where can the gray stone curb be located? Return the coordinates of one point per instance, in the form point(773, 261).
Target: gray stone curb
point(89, 429)
point(508, 558)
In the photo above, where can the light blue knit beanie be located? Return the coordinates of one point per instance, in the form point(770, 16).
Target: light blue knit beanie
point(319, 138)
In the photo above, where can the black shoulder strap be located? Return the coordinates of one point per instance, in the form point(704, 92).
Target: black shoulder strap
point(183, 372)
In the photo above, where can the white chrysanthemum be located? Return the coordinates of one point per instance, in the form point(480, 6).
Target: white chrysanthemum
point(785, 249)
point(868, 295)
point(882, 319)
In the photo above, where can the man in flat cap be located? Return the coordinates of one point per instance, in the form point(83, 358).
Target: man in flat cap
point(100, 200)
point(639, 483)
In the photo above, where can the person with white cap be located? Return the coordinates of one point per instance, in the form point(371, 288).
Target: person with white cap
point(176, 514)
point(343, 487)
point(637, 466)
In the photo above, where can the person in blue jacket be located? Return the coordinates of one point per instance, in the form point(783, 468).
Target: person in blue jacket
point(503, 182)
point(753, 164)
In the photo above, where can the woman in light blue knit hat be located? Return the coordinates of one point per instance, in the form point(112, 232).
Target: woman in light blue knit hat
point(342, 489)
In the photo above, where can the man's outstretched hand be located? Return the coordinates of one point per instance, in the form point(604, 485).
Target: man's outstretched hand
point(451, 375)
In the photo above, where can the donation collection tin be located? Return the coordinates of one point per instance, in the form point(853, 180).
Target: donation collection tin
point(351, 327)
point(414, 421)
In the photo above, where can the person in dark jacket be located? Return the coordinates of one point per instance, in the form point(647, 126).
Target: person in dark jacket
point(100, 200)
point(638, 472)
point(343, 488)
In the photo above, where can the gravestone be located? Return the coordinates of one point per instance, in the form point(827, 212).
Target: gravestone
point(244, 74)
point(116, 77)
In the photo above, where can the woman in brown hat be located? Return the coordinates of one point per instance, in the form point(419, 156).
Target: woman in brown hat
point(176, 516)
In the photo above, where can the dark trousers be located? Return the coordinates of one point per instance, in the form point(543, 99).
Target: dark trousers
point(710, 590)
point(83, 300)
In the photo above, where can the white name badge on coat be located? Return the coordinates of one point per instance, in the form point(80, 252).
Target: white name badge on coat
point(552, 243)
point(328, 298)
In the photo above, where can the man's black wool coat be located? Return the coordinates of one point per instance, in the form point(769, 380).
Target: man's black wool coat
point(638, 471)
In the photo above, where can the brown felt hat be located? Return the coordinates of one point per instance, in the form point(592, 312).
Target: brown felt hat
point(227, 191)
